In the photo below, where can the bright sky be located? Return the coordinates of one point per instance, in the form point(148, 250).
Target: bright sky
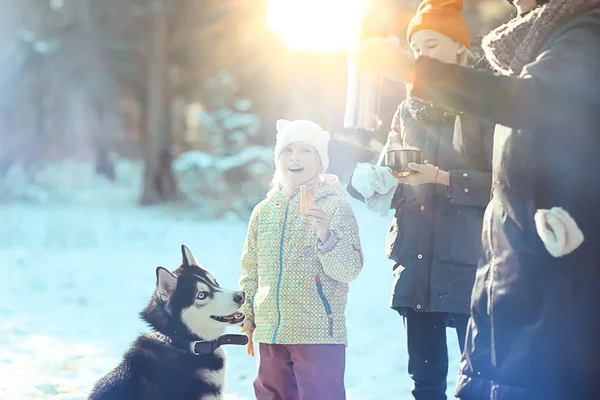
point(319, 25)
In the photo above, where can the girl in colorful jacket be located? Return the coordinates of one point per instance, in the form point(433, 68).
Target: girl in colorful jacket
point(296, 269)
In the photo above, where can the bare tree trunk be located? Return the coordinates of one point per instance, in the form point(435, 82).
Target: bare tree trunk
point(100, 93)
point(159, 181)
point(104, 163)
point(32, 113)
point(10, 80)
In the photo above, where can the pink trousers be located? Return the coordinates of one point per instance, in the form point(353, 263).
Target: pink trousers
point(300, 372)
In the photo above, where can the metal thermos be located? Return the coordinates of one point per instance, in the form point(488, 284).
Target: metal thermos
point(363, 96)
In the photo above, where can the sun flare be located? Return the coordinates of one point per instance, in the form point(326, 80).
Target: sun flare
point(319, 25)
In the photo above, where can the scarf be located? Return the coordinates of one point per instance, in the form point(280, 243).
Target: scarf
point(517, 43)
point(465, 140)
point(422, 110)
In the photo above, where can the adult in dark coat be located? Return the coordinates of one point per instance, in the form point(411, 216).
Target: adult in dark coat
point(435, 237)
point(534, 332)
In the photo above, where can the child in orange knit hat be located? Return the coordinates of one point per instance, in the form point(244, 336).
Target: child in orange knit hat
point(438, 30)
point(435, 237)
point(443, 16)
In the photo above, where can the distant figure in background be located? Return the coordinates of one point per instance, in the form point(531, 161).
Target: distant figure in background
point(301, 251)
point(435, 238)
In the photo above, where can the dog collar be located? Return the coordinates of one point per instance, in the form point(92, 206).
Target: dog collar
point(203, 347)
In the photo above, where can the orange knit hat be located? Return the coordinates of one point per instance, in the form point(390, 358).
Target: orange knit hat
point(443, 16)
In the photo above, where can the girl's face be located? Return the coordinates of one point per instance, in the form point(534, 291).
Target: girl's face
point(430, 43)
point(299, 163)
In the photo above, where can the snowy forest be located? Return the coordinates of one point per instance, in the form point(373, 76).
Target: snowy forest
point(186, 91)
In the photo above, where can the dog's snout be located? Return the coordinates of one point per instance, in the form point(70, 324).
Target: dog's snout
point(239, 297)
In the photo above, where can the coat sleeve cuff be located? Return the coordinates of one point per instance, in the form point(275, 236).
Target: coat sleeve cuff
point(328, 244)
point(248, 310)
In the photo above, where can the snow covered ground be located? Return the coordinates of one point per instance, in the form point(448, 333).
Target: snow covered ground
point(76, 275)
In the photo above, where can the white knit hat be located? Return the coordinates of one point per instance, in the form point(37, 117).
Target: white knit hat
point(302, 130)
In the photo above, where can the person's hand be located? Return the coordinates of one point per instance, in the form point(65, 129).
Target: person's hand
point(320, 221)
point(248, 326)
point(383, 56)
point(425, 173)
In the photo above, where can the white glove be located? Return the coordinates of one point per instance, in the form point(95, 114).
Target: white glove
point(369, 179)
point(377, 185)
point(558, 230)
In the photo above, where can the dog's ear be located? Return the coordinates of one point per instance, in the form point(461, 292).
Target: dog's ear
point(166, 283)
point(188, 257)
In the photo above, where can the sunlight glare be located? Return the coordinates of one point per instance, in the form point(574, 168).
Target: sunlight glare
point(319, 25)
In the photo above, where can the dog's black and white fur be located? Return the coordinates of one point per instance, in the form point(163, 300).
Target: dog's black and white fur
point(187, 306)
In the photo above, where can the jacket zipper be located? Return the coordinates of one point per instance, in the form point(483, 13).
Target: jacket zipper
point(287, 207)
point(325, 303)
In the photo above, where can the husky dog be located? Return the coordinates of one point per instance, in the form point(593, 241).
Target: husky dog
point(181, 357)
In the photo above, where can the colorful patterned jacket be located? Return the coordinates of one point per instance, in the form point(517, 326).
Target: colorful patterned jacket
point(296, 289)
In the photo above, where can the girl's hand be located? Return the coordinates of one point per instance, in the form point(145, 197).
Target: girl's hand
point(248, 326)
point(383, 56)
point(426, 173)
point(320, 221)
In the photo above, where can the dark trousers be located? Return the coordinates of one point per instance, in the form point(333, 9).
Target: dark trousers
point(428, 351)
point(300, 372)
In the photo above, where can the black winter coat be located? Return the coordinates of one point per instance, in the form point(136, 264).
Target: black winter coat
point(435, 237)
point(535, 326)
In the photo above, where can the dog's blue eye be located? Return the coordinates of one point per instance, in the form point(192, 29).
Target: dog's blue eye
point(202, 295)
